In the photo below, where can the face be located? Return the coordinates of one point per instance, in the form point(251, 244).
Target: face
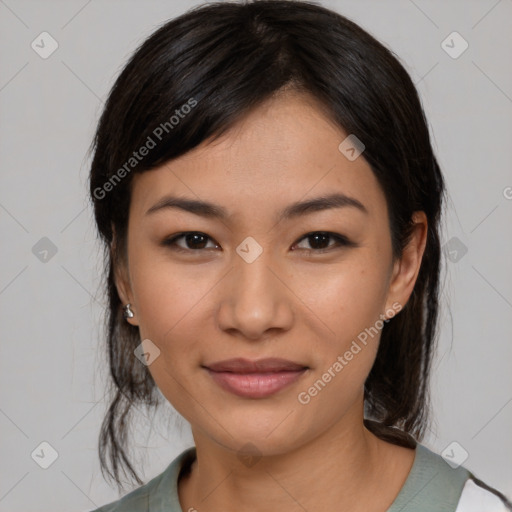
point(254, 284)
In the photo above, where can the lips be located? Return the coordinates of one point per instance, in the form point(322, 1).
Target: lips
point(255, 379)
point(240, 365)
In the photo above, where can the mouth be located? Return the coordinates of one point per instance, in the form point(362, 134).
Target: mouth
point(255, 379)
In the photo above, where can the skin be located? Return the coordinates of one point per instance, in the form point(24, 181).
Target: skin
point(208, 304)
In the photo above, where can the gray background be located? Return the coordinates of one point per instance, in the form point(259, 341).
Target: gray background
point(52, 370)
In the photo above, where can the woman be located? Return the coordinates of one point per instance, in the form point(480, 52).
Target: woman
point(269, 201)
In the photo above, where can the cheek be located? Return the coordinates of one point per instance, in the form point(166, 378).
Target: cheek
point(344, 355)
point(170, 302)
point(165, 293)
point(346, 298)
point(346, 304)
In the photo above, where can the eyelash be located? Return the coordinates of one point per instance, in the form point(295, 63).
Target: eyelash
point(341, 241)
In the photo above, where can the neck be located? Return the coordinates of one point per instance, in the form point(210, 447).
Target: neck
point(335, 471)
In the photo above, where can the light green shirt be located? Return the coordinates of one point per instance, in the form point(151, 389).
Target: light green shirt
point(431, 486)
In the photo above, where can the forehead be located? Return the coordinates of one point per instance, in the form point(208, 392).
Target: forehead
point(283, 151)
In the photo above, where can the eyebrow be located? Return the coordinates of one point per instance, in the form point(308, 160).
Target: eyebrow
point(210, 210)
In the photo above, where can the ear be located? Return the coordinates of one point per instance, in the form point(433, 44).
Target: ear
point(406, 269)
point(122, 278)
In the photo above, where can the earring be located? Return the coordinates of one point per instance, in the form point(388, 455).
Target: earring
point(128, 313)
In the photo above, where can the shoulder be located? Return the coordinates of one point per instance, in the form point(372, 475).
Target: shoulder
point(436, 483)
point(471, 493)
point(477, 497)
point(160, 493)
point(135, 501)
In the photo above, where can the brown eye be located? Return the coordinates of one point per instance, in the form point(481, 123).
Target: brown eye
point(192, 240)
point(319, 241)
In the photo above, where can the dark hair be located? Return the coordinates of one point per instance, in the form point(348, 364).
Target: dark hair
point(222, 60)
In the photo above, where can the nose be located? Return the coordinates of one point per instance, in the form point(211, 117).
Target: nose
point(255, 299)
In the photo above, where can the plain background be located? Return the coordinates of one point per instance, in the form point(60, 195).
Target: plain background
point(52, 368)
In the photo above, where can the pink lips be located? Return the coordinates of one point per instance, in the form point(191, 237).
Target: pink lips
point(255, 379)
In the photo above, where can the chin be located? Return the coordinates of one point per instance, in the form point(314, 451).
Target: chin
point(261, 437)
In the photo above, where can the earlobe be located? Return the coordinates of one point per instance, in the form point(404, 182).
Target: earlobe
point(125, 295)
point(406, 270)
point(122, 285)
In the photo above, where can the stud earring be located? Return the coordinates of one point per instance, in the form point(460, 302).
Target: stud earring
point(128, 313)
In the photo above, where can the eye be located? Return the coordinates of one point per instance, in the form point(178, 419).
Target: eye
point(319, 241)
point(194, 240)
